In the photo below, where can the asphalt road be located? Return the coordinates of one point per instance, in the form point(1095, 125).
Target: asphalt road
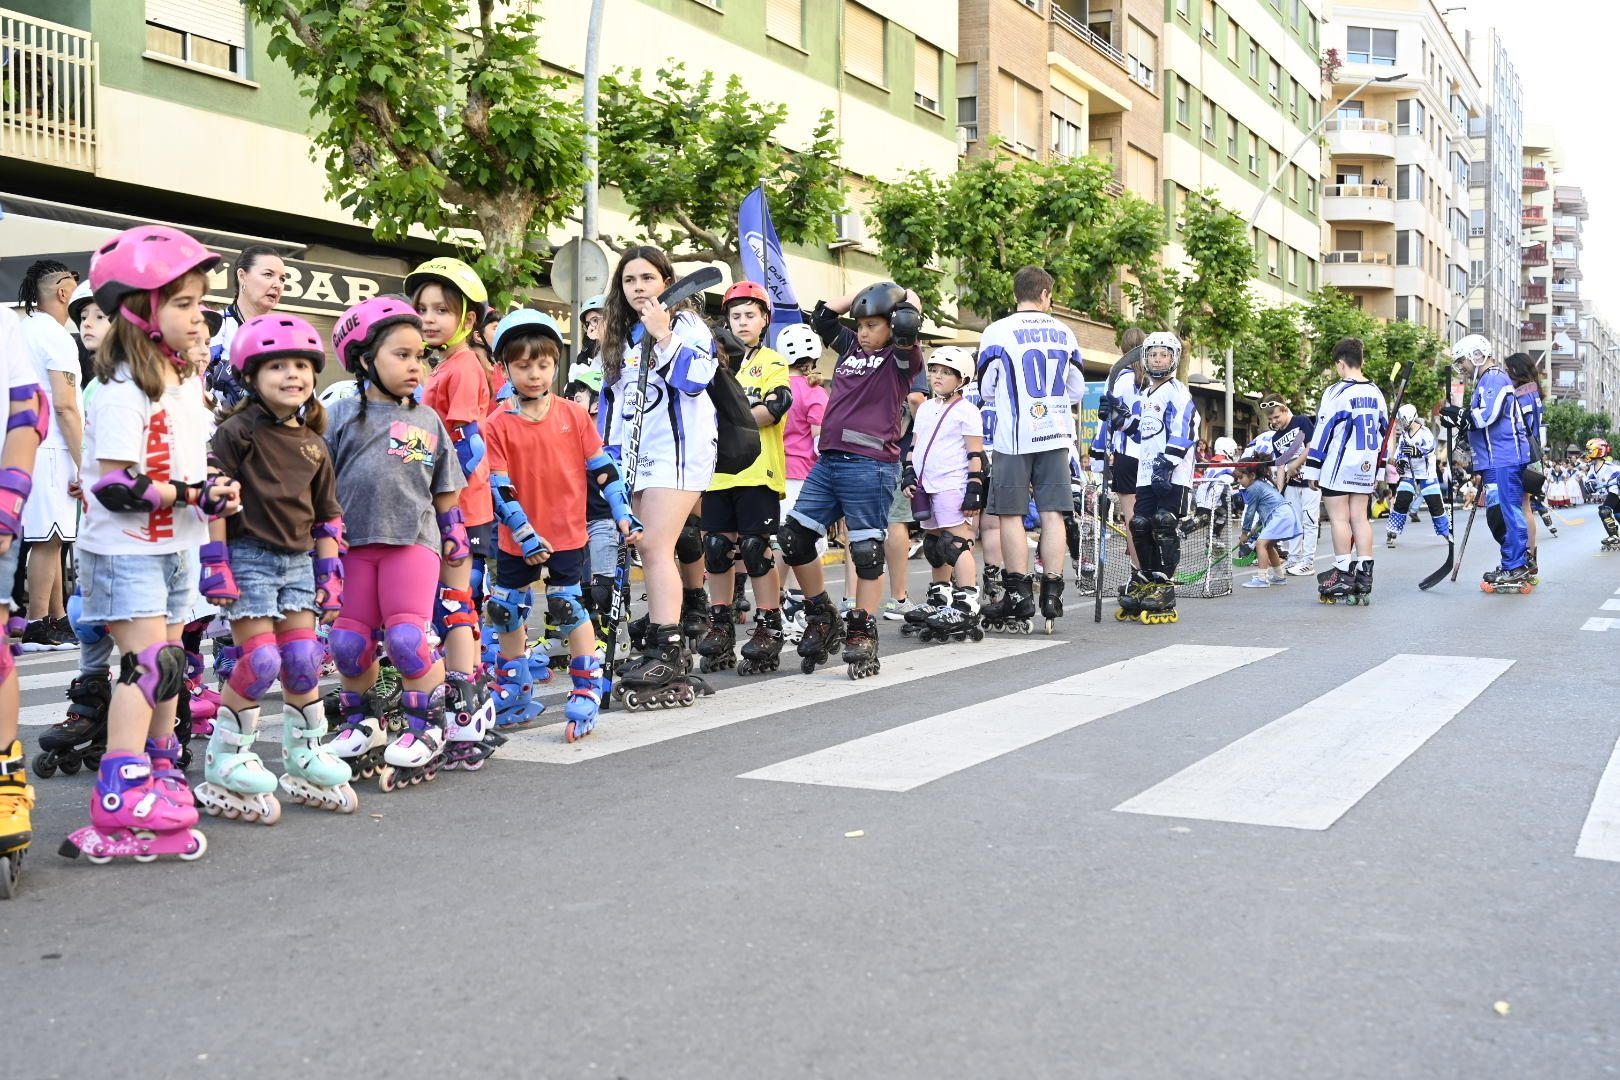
point(1282, 840)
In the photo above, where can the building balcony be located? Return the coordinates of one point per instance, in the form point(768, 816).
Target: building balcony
point(1358, 270)
point(1071, 38)
point(1358, 136)
point(1358, 202)
point(1570, 200)
point(1534, 256)
point(1533, 330)
point(1535, 294)
point(48, 89)
point(1566, 229)
point(1534, 178)
point(1566, 292)
point(1533, 217)
point(1564, 322)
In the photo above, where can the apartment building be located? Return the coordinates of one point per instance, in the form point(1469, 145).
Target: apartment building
point(1539, 322)
point(1564, 305)
point(123, 111)
point(1497, 180)
point(1396, 214)
point(1243, 91)
point(1600, 365)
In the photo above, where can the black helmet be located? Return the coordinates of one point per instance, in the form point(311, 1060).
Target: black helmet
point(877, 301)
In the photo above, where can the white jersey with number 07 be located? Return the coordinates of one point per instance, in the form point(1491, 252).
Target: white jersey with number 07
point(1031, 378)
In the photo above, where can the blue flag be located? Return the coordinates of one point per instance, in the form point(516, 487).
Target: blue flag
point(763, 262)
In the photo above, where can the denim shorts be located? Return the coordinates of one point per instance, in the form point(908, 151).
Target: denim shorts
point(857, 489)
point(271, 581)
point(560, 569)
point(8, 572)
point(602, 552)
point(117, 588)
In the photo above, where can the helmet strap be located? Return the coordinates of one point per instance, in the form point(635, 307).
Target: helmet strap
point(155, 335)
point(462, 330)
point(373, 376)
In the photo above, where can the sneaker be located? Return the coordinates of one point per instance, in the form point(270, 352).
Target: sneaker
point(1301, 569)
point(1276, 576)
point(41, 636)
point(63, 629)
point(1257, 582)
point(895, 610)
point(846, 605)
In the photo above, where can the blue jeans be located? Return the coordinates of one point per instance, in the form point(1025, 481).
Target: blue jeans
point(271, 582)
point(1509, 483)
point(118, 588)
point(857, 489)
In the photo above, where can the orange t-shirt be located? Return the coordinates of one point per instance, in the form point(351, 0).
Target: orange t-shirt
point(545, 460)
point(459, 392)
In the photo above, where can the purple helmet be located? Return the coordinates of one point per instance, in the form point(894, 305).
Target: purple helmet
point(358, 328)
point(144, 260)
point(265, 337)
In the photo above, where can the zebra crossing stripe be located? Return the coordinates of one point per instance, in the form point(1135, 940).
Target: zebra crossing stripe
point(751, 699)
point(1306, 769)
point(914, 754)
point(1600, 836)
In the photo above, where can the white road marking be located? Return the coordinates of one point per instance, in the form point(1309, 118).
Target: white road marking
point(1600, 623)
point(620, 730)
point(1305, 770)
point(1600, 836)
point(911, 755)
point(1611, 605)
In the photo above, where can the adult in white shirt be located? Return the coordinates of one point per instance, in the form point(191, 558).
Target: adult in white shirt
point(51, 516)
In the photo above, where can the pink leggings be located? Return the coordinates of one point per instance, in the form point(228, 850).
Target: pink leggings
point(384, 586)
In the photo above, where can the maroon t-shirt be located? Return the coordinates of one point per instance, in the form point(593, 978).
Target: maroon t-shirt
point(864, 414)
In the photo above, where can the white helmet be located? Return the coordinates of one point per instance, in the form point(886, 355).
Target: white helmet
point(1162, 339)
point(1474, 349)
point(1406, 413)
point(955, 357)
point(82, 298)
point(1226, 446)
point(798, 344)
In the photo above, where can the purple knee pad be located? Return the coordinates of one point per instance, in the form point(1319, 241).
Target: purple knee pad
point(159, 671)
point(7, 664)
point(301, 658)
point(407, 644)
point(353, 650)
point(256, 670)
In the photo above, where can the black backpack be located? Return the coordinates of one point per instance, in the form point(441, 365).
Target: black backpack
point(736, 430)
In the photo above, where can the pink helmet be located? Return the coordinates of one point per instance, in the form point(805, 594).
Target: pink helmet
point(144, 259)
point(265, 337)
point(358, 328)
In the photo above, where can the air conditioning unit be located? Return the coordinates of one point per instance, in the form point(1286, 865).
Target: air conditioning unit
point(965, 134)
point(850, 231)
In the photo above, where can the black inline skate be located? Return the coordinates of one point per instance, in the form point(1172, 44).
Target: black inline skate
point(861, 644)
point(658, 678)
point(1508, 581)
point(823, 633)
point(762, 651)
point(1362, 593)
point(1534, 566)
point(919, 617)
point(717, 648)
point(1334, 585)
point(1014, 611)
point(81, 739)
point(740, 606)
point(694, 615)
point(1130, 597)
point(1158, 601)
point(959, 621)
point(1051, 599)
point(990, 587)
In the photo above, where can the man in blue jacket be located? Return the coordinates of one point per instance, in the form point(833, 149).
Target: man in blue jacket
point(1500, 446)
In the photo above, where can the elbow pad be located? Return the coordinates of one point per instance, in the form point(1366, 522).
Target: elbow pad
point(126, 492)
point(15, 486)
point(777, 402)
point(330, 530)
point(606, 476)
point(469, 443)
point(38, 417)
point(507, 507)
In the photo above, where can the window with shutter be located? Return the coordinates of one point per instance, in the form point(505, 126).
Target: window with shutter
point(863, 44)
point(212, 33)
point(925, 90)
point(967, 100)
point(784, 21)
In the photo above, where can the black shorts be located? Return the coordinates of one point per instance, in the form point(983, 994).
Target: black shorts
point(1534, 481)
point(481, 539)
point(749, 511)
point(1334, 493)
point(1124, 478)
point(563, 568)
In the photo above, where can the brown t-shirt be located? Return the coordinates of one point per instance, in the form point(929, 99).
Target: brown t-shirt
point(288, 483)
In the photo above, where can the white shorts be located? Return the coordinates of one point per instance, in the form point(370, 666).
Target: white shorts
point(660, 473)
point(50, 511)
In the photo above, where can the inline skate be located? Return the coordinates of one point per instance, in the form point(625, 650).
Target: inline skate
point(1014, 612)
point(585, 699)
point(169, 761)
point(959, 621)
point(823, 633)
point(515, 704)
point(471, 729)
point(130, 818)
point(792, 616)
point(717, 648)
point(1534, 566)
point(920, 617)
point(1051, 599)
point(861, 644)
point(762, 651)
point(740, 606)
point(1507, 581)
point(415, 755)
point(1334, 585)
point(1158, 601)
point(694, 615)
point(236, 783)
point(16, 826)
point(1131, 595)
point(313, 774)
point(80, 739)
point(658, 678)
point(360, 738)
point(990, 587)
point(1362, 593)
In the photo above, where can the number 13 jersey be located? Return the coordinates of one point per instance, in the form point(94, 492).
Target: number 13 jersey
point(1030, 378)
point(1350, 427)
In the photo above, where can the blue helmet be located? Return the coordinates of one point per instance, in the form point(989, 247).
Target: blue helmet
point(526, 321)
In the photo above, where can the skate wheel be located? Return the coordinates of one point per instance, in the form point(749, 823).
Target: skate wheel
point(197, 852)
point(807, 666)
point(44, 765)
point(1120, 616)
point(70, 766)
point(10, 870)
point(976, 634)
point(1049, 625)
point(386, 778)
point(273, 814)
point(686, 696)
point(146, 857)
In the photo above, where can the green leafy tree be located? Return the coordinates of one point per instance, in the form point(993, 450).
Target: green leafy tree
point(1569, 424)
point(1216, 307)
point(686, 153)
point(1403, 344)
point(995, 215)
point(1272, 358)
point(424, 121)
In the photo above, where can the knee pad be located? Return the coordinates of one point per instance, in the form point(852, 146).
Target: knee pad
point(8, 663)
point(1436, 505)
point(508, 609)
point(1403, 500)
point(257, 668)
point(407, 644)
point(689, 544)
point(867, 555)
point(353, 648)
point(477, 582)
point(1164, 521)
point(756, 555)
point(599, 596)
point(930, 550)
point(159, 671)
point(456, 608)
point(798, 543)
point(564, 610)
point(719, 552)
point(87, 633)
point(301, 658)
point(1168, 540)
point(1498, 524)
point(1141, 528)
point(1071, 534)
point(1606, 515)
point(952, 548)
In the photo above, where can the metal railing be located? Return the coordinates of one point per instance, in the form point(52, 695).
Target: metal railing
point(1358, 123)
point(1358, 191)
point(1085, 33)
point(48, 83)
point(1374, 258)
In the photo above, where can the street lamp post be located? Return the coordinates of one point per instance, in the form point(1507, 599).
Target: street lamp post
point(1276, 179)
point(593, 48)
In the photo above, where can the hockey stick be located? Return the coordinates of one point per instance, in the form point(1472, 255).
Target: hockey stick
point(696, 282)
point(1448, 568)
point(1102, 495)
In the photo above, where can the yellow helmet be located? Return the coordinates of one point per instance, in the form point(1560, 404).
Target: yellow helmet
point(459, 276)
